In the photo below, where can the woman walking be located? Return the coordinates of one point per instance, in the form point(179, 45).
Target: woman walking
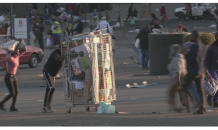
point(10, 79)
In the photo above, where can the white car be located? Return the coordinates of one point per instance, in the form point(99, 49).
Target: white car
point(198, 10)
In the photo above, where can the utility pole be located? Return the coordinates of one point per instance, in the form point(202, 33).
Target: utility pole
point(11, 20)
point(27, 17)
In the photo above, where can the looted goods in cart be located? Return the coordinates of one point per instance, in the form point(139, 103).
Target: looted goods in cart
point(88, 72)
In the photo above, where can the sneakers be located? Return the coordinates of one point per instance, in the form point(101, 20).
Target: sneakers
point(13, 108)
point(48, 109)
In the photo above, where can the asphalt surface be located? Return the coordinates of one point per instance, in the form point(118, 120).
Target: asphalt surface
point(140, 106)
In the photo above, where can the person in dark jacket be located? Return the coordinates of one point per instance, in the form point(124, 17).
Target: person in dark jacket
point(196, 69)
point(211, 65)
point(143, 36)
point(79, 27)
point(40, 29)
point(129, 12)
point(51, 68)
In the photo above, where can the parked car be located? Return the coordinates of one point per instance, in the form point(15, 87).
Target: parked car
point(198, 10)
point(32, 57)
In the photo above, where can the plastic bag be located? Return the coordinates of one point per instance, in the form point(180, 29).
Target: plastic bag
point(117, 24)
point(48, 43)
point(137, 43)
point(10, 45)
point(21, 46)
point(32, 35)
point(133, 21)
point(210, 86)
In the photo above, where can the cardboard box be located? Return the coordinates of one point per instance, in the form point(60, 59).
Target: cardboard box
point(108, 80)
point(76, 67)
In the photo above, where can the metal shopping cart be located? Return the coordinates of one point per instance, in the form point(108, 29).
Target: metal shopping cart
point(88, 70)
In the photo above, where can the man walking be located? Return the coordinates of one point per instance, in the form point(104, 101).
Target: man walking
point(143, 36)
point(40, 29)
point(50, 70)
point(129, 12)
point(56, 31)
point(196, 69)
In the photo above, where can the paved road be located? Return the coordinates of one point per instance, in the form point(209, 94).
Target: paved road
point(139, 103)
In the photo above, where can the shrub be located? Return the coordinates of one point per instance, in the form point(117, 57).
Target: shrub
point(206, 38)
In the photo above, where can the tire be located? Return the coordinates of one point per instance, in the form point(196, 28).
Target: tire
point(181, 16)
point(34, 60)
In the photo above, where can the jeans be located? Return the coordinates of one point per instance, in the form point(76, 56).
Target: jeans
point(40, 40)
point(71, 12)
point(214, 74)
point(145, 57)
point(138, 51)
point(193, 92)
point(55, 36)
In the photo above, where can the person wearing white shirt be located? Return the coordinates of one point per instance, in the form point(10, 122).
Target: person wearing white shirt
point(104, 25)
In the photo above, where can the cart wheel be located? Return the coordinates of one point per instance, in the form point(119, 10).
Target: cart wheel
point(95, 109)
point(88, 108)
point(69, 110)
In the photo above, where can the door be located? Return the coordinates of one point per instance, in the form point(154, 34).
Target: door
point(2, 52)
point(194, 9)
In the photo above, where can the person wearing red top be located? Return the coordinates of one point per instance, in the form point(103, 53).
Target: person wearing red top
point(163, 13)
point(188, 11)
point(70, 8)
point(10, 79)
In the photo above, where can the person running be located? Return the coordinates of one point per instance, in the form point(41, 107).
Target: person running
point(10, 79)
point(51, 68)
point(56, 31)
point(40, 30)
point(196, 69)
point(134, 14)
point(163, 13)
point(129, 12)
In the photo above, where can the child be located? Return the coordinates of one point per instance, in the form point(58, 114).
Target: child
point(133, 21)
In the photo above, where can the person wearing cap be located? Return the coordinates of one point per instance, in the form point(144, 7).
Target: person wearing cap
point(182, 28)
point(10, 79)
point(211, 65)
point(56, 31)
point(40, 30)
point(104, 25)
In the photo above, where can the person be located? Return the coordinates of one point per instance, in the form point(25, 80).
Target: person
point(196, 70)
point(104, 26)
point(129, 12)
point(154, 17)
point(133, 20)
point(188, 12)
point(77, 10)
point(177, 69)
point(143, 36)
point(207, 8)
point(94, 18)
point(119, 19)
point(107, 16)
point(134, 14)
point(211, 65)
point(40, 30)
point(138, 51)
point(70, 8)
point(163, 13)
point(50, 70)
point(35, 29)
point(64, 28)
point(56, 31)
point(79, 27)
point(10, 78)
point(182, 28)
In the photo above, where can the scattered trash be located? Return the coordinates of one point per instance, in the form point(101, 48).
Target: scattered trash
point(135, 85)
point(158, 76)
point(209, 111)
point(212, 26)
point(125, 63)
point(6, 94)
point(40, 100)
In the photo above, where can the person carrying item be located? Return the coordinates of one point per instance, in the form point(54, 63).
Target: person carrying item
point(94, 18)
point(143, 44)
point(196, 70)
point(134, 14)
point(56, 31)
point(212, 68)
point(70, 9)
point(50, 70)
point(188, 11)
point(40, 30)
point(177, 69)
point(104, 26)
point(10, 78)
